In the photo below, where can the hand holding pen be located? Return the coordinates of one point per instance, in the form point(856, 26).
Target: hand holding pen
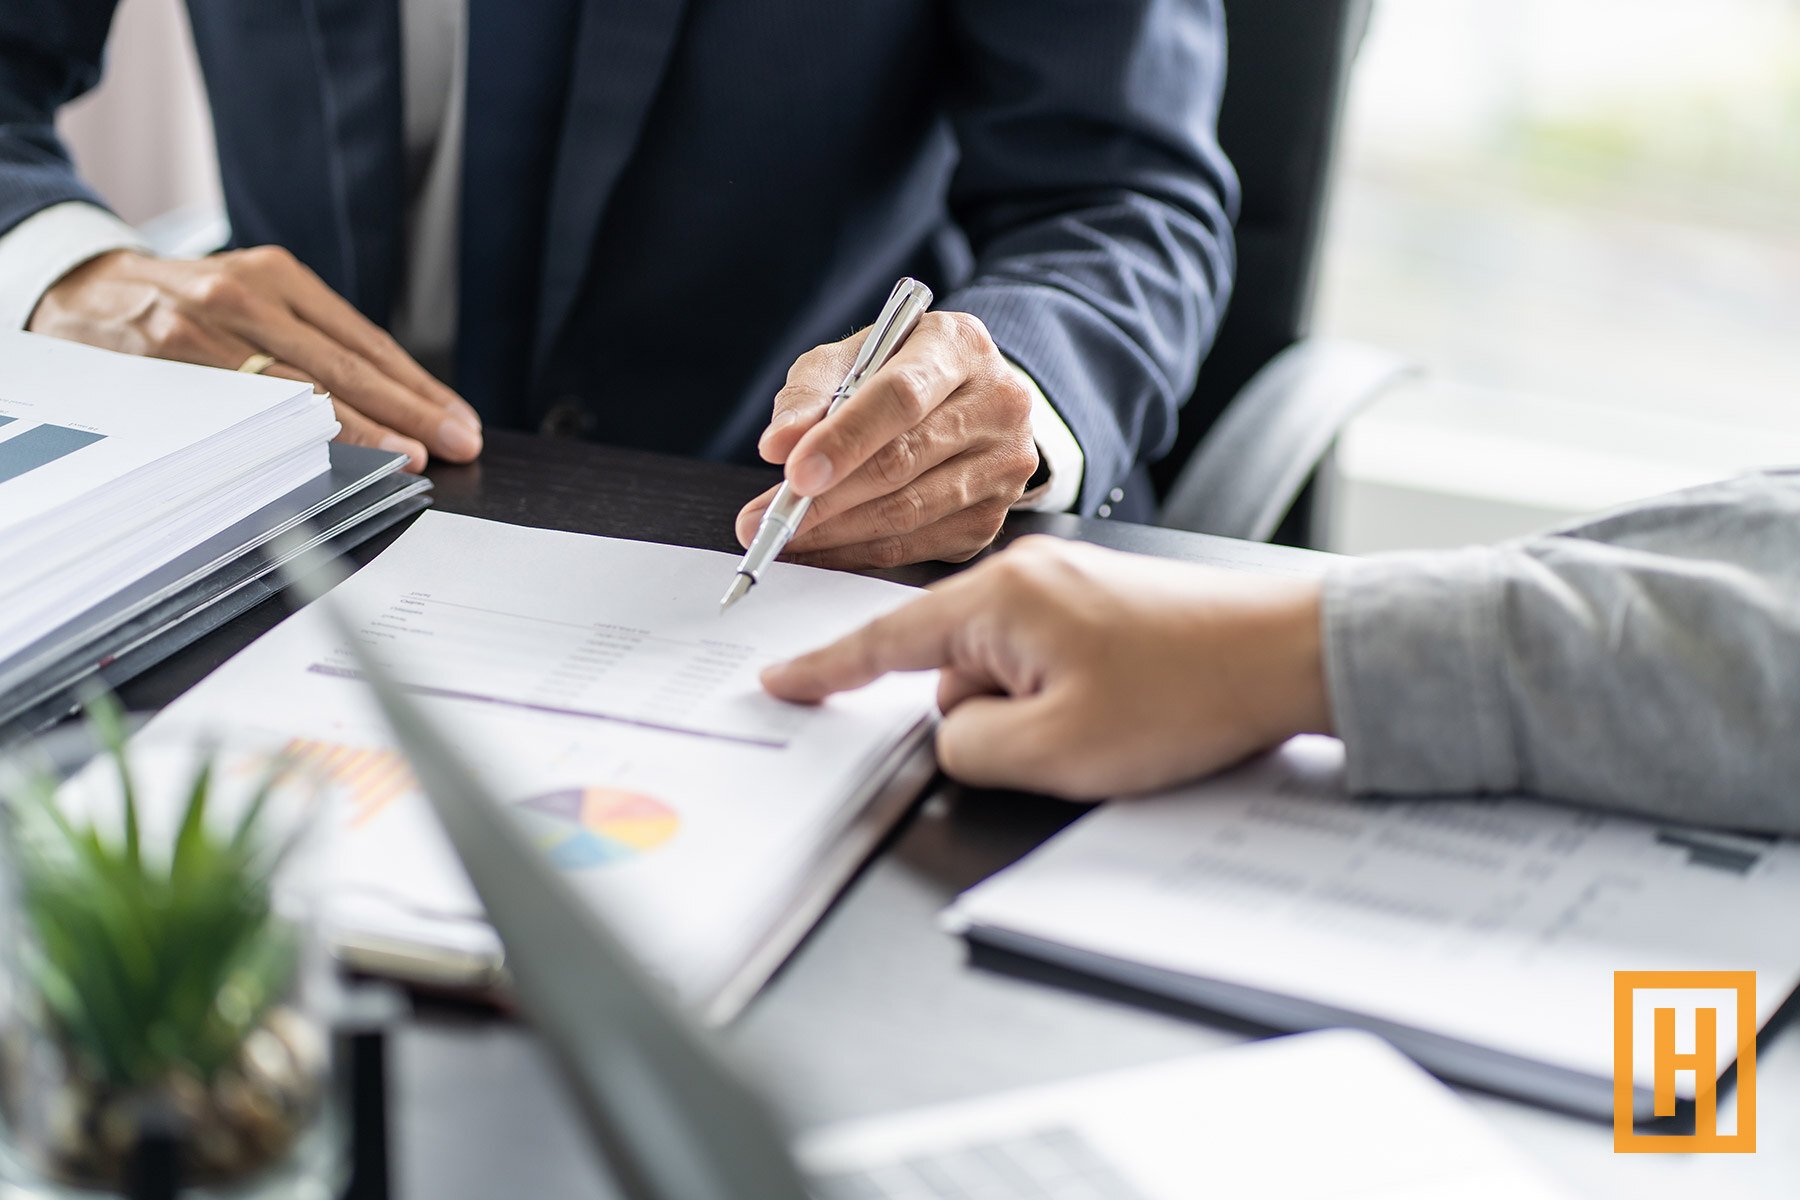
point(923, 465)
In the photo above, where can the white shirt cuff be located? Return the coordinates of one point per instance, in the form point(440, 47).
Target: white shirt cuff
point(47, 245)
point(1060, 453)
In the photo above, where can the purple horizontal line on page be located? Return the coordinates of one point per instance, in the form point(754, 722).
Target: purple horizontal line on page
point(586, 714)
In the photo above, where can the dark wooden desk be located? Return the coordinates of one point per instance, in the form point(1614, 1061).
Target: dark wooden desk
point(553, 484)
point(878, 1010)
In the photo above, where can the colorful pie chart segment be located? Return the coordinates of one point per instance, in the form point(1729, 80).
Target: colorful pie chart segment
point(581, 828)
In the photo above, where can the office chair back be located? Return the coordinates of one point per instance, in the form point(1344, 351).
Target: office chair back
point(1288, 69)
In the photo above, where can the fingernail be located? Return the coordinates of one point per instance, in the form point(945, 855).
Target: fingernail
point(465, 410)
point(774, 678)
point(457, 439)
point(393, 443)
point(811, 475)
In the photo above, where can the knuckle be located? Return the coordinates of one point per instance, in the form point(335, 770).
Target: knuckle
point(992, 517)
point(886, 553)
point(969, 332)
point(1036, 547)
point(223, 291)
point(898, 461)
point(878, 641)
point(960, 425)
point(983, 527)
point(386, 345)
point(1021, 463)
point(901, 513)
point(1009, 569)
point(795, 395)
point(345, 369)
point(965, 490)
point(814, 364)
point(262, 259)
point(172, 335)
point(1024, 567)
point(911, 392)
point(1012, 398)
point(865, 654)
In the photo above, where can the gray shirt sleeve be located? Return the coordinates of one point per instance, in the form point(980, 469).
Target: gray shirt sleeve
point(1647, 660)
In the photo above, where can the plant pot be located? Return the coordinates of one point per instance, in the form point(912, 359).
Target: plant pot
point(163, 983)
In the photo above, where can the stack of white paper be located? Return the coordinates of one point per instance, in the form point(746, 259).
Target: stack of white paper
point(113, 465)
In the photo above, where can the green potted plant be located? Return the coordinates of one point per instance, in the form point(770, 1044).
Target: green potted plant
point(150, 965)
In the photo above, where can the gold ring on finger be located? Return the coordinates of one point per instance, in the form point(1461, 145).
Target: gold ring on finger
point(257, 363)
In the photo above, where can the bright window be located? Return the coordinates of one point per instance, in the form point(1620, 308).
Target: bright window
point(1583, 217)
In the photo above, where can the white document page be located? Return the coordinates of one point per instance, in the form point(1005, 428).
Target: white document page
point(595, 684)
point(1494, 922)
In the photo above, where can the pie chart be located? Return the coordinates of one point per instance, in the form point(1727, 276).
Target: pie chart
point(580, 828)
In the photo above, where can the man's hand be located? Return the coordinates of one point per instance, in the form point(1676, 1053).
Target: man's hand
point(1087, 673)
point(922, 463)
point(219, 311)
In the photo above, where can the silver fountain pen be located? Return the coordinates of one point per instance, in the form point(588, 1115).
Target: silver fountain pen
point(782, 520)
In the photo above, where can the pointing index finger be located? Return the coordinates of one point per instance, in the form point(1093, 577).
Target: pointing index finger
point(914, 638)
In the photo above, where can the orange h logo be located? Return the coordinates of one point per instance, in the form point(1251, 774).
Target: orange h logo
point(1702, 1060)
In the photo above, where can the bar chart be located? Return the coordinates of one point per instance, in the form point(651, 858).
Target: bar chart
point(29, 449)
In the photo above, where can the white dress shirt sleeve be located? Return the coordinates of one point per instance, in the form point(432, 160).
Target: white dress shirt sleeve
point(1060, 453)
point(47, 245)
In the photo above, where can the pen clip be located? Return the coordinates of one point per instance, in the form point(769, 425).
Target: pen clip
point(905, 305)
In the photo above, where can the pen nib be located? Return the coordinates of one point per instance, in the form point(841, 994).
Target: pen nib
point(740, 587)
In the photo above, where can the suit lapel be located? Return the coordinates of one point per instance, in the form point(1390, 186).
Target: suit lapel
point(357, 46)
point(622, 49)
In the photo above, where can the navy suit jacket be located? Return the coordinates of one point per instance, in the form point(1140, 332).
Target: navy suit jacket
point(1051, 166)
